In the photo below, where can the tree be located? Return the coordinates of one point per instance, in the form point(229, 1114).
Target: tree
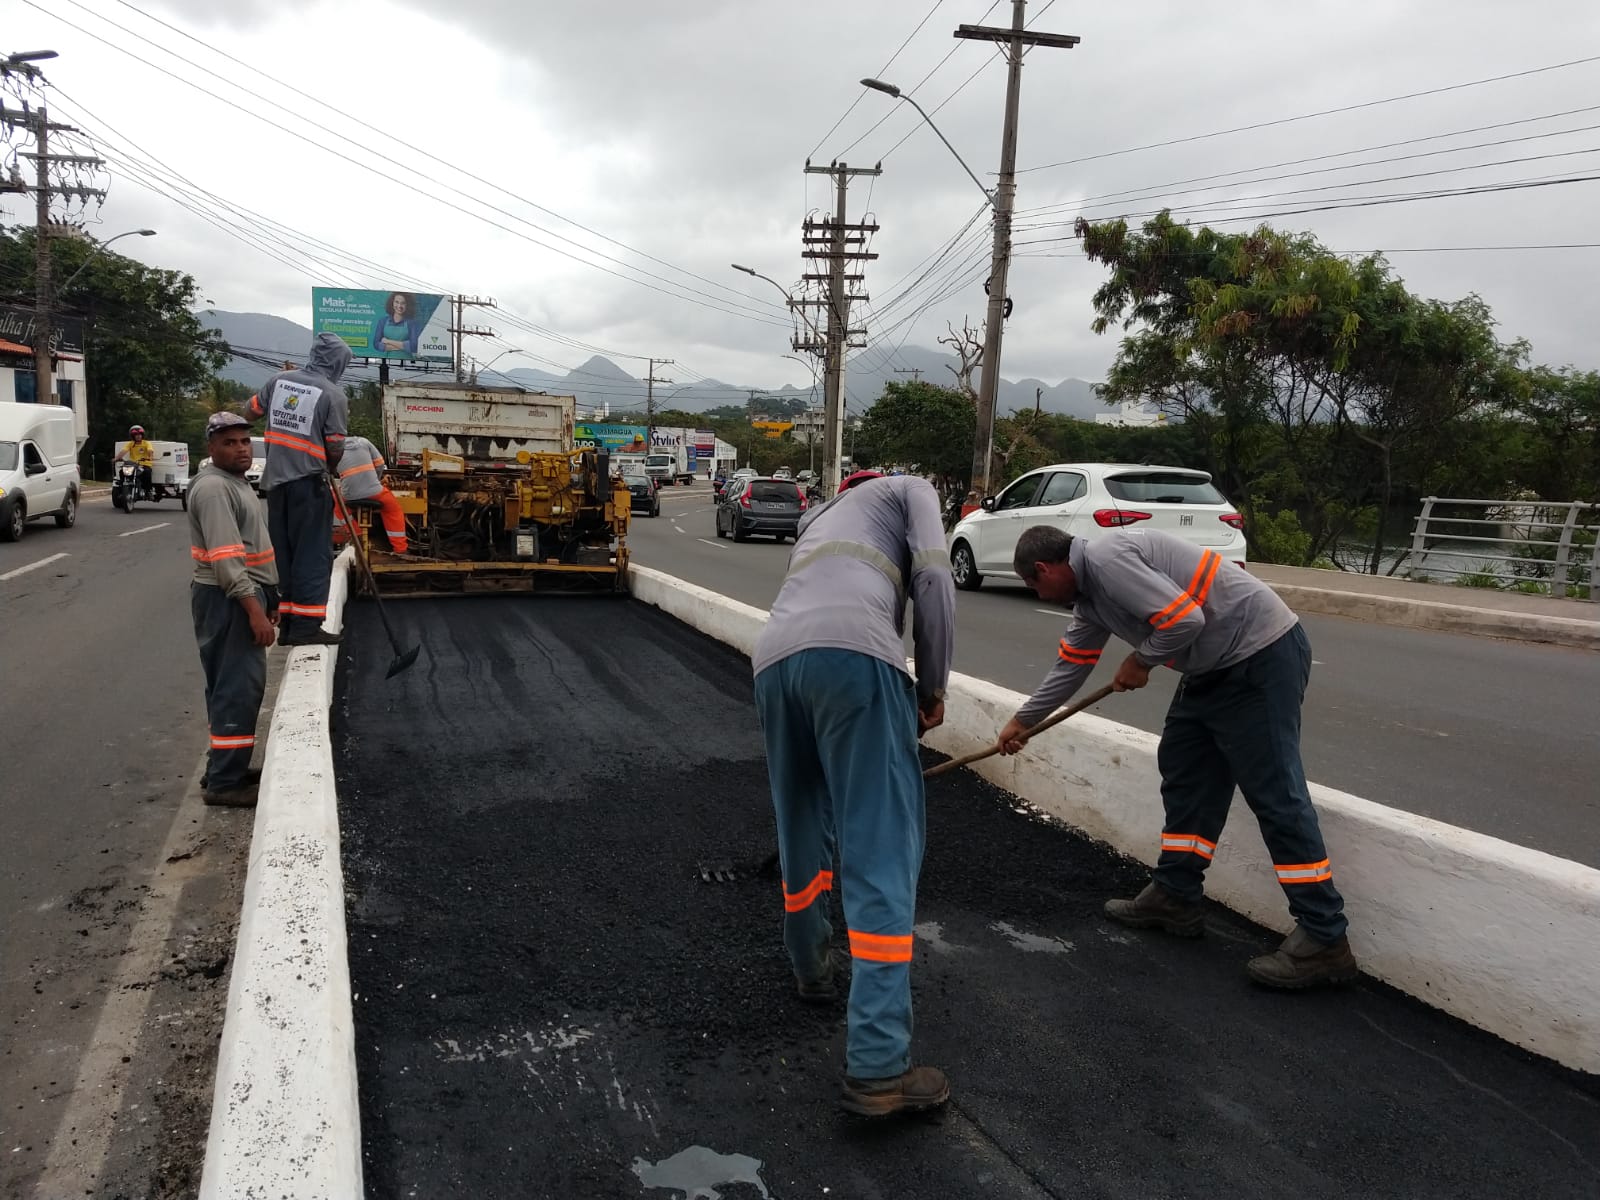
point(923, 426)
point(146, 353)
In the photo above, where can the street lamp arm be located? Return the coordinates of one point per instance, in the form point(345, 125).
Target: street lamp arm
point(804, 316)
point(889, 89)
point(100, 249)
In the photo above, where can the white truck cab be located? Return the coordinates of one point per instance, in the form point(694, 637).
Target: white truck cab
point(38, 467)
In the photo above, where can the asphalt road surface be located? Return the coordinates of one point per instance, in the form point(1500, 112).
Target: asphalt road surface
point(119, 888)
point(1498, 737)
point(549, 1003)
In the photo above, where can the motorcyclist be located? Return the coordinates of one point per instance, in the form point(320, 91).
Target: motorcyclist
point(142, 454)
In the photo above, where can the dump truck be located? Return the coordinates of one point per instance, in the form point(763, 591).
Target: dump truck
point(495, 494)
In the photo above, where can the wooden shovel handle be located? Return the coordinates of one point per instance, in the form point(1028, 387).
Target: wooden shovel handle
point(1088, 701)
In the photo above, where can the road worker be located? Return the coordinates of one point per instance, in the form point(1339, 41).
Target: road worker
point(233, 599)
point(841, 719)
point(1235, 719)
point(361, 482)
point(306, 414)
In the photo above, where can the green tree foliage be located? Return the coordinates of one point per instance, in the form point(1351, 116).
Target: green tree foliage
point(147, 356)
point(1319, 388)
point(920, 426)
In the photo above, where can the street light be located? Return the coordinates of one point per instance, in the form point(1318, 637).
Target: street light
point(491, 362)
point(804, 316)
point(889, 89)
point(100, 249)
point(21, 60)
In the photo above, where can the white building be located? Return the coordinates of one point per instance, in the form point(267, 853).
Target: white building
point(17, 376)
point(1131, 413)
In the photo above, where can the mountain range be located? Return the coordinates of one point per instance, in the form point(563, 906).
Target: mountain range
point(599, 382)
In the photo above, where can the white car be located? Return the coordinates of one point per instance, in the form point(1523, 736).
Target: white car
point(258, 462)
point(1092, 499)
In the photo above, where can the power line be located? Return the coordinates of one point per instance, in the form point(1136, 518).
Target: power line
point(1326, 112)
point(712, 302)
point(861, 94)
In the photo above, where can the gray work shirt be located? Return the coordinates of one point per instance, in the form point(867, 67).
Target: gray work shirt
point(307, 414)
point(856, 561)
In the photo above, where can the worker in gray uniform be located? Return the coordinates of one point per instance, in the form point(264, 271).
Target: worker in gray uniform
point(841, 718)
point(307, 419)
point(1235, 719)
point(233, 599)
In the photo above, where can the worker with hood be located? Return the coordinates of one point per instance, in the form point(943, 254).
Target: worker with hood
point(841, 716)
point(307, 419)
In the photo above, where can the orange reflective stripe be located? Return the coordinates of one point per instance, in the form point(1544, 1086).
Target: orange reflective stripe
point(1316, 872)
point(806, 896)
point(1188, 843)
point(290, 441)
point(1211, 575)
point(346, 471)
point(255, 407)
point(201, 555)
point(260, 558)
point(1192, 596)
point(878, 947)
point(231, 742)
point(1079, 655)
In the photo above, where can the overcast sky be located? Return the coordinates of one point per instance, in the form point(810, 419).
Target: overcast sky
point(680, 129)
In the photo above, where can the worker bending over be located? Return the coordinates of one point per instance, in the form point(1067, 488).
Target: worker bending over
point(1235, 719)
point(361, 482)
point(234, 602)
point(306, 426)
point(841, 719)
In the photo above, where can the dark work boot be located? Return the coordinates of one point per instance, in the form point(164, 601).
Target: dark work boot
point(919, 1089)
point(240, 796)
point(1302, 961)
point(1157, 908)
point(822, 989)
point(317, 637)
point(252, 777)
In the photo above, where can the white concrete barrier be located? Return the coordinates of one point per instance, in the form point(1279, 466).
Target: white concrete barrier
point(1506, 938)
point(285, 1121)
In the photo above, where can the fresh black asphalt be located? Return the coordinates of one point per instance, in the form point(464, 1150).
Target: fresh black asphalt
point(550, 1003)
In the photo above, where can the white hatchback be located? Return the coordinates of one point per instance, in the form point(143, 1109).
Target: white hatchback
point(1089, 499)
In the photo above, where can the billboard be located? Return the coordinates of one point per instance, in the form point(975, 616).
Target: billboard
point(614, 439)
point(411, 326)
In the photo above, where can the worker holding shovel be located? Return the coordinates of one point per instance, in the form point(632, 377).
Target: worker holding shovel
point(1235, 719)
point(841, 718)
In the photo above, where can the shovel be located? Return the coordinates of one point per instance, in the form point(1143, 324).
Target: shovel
point(977, 756)
point(402, 658)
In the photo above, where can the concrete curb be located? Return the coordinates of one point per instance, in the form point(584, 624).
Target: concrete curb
point(285, 1120)
point(1445, 618)
point(1498, 935)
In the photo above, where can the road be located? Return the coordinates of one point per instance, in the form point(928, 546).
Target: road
point(549, 1002)
point(119, 888)
point(1493, 736)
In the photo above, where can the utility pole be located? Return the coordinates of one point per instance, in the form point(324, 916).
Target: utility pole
point(650, 382)
point(459, 329)
point(1005, 194)
point(838, 236)
point(914, 372)
point(38, 122)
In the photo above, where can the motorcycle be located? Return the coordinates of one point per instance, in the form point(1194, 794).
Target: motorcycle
point(126, 487)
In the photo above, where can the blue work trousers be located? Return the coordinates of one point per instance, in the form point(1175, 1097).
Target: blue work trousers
point(1241, 725)
point(236, 680)
point(841, 736)
point(300, 521)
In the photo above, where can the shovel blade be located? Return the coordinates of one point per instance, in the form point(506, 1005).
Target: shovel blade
point(403, 662)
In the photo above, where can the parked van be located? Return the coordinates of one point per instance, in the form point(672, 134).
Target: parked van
point(38, 467)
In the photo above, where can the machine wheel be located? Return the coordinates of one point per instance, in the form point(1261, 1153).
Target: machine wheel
point(963, 569)
point(15, 523)
point(68, 516)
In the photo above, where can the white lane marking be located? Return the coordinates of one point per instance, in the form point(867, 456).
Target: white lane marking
point(679, 528)
point(1050, 612)
point(146, 529)
point(707, 541)
point(33, 565)
point(1317, 662)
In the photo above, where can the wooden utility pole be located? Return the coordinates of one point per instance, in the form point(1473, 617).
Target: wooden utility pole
point(839, 237)
point(650, 382)
point(914, 372)
point(1005, 194)
point(459, 329)
point(38, 122)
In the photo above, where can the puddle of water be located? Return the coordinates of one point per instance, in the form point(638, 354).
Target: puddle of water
point(931, 934)
point(698, 1171)
point(1032, 943)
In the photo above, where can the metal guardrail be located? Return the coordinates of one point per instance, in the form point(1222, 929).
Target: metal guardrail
point(1537, 546)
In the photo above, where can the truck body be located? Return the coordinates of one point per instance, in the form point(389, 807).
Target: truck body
point(495, 495)
point(675, 454)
